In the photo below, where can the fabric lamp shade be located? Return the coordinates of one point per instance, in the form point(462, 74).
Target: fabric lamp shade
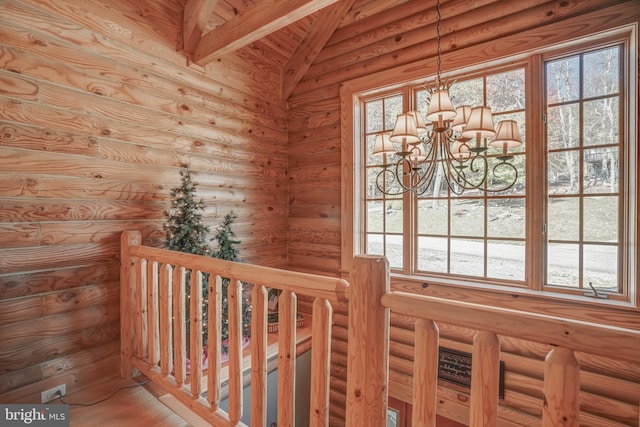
point(462, 117)
point(480, 124)
point(507, 135)
point(440, 106)
point(405, 130)
point(421, 127)
point(383, 145)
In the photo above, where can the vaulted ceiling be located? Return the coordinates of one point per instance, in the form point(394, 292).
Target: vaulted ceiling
point(292, 31)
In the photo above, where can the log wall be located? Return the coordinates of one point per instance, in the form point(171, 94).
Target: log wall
point(380, 35)
point(98, 111)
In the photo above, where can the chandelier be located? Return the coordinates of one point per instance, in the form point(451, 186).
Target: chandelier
point(453, 145)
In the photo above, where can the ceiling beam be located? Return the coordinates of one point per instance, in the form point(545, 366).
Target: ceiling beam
point(195, 17)
point(262, 19)
point(318, 35)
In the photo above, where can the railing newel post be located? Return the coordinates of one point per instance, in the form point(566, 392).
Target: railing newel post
point(485, 380)
point(561, 396)
point(425, 373)
point(128, 288)
point(367, 351)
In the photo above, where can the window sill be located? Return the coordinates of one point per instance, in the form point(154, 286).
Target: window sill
point(517, 297)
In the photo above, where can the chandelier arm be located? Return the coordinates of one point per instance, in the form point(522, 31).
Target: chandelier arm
point(431, 161)
point(510, 184)
point(469, 184)
point(380, 178)
point(455, 175)
point(399, 173)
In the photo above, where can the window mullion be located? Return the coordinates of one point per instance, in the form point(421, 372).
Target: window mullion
point(536, 170)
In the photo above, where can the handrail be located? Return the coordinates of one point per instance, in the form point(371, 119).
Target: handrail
point(332, 289)
point(602, 340)
point(154, 339)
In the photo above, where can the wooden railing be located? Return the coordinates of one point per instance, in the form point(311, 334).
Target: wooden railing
point(561, 390)
point(154, 341)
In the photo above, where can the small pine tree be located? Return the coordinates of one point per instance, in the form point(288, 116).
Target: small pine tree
point(227, 250)
point(185, 232)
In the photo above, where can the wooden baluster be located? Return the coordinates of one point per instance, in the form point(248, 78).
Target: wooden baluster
point(128, 287)
point(179, 325)
point(561, 389)
point(368, 343)
point(166, 277)
point(287, 305)
point(141, 309)
point(425, 374)
point(259, 356)
point(214, 342)
point(234, 299)
point(195, 333)
point(485, 380)
point(153, 313)
point(320, 362)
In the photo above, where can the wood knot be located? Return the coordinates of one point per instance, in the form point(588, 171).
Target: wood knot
point(184, 107)
point(357, 392)
point(38, 42)
point(105, 132)
point(98, 91)
point(67, 296)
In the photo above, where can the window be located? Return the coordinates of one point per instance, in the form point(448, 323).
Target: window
point(573, 204)
point(584, 94)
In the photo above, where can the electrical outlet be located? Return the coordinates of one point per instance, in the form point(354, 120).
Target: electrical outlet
point(54, 393)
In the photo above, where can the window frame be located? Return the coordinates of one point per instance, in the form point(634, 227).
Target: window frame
point(628, 190)
point(352, 93)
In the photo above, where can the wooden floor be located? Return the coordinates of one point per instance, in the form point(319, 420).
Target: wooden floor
point(136, 406)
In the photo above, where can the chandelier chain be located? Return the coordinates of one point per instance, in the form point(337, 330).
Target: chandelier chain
point(438, 18)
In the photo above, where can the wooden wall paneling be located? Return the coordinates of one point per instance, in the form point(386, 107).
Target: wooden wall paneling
point(170, 74)
point(363, 9)
point(75, 380)
point(17, 260)
point(378, 35)
point(43, 281)
point(58, 346)
point(26, 136)
point(469, 32)
point(95, 123)
point(14, 209)
point(34, 307)
point(19, 234)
